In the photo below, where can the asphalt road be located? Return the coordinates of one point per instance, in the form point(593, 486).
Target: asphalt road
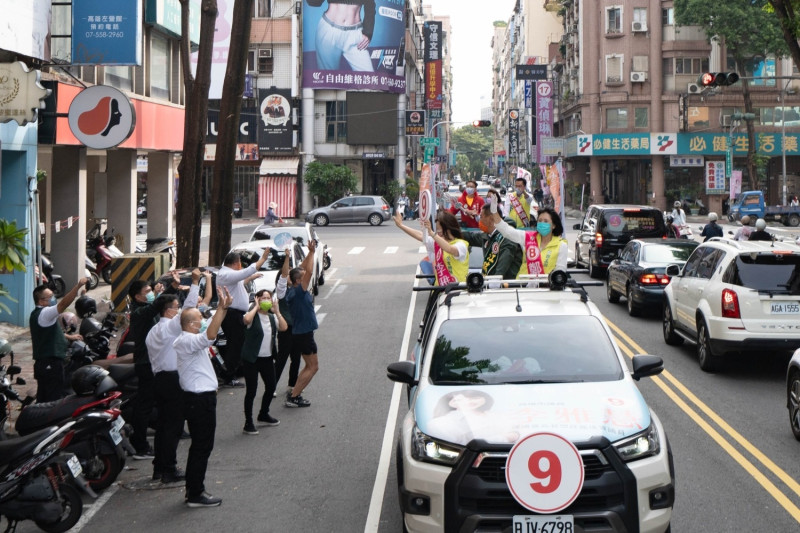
point(330, 467)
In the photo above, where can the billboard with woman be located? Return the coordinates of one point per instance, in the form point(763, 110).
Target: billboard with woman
point(354, 45)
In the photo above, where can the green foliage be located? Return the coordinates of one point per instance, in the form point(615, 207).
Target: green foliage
point(473, 147)
point(412, 188)
point(328, 181)
point(12, 246)
point(5, 294)
point(390, 190)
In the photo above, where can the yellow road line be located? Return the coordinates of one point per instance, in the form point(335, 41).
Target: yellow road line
point(718, 438)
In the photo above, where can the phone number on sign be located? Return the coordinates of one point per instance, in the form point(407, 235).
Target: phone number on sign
point(104, 34)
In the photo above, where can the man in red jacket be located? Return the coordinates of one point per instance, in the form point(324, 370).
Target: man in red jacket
point(470, 205)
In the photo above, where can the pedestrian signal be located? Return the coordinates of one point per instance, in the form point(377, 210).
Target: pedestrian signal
point(481, 123)
point(718, 79)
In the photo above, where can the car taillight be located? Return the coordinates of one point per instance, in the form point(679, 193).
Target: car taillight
point(385, 207)
point(598, 239)
point(654, 279)
point(730, 304)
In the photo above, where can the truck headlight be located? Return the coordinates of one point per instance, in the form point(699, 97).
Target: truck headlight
point(426, 448)
point(639, 446)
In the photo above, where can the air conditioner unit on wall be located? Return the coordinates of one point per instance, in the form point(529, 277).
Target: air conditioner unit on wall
point(265, 52)
point(638, 77)
point(639, 26)
point(694, 88)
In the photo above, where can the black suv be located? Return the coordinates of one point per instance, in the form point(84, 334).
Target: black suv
point(607, 228)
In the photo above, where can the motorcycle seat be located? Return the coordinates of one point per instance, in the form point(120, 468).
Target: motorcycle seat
point(122, 373)
point(15, 448)
point(40, 415)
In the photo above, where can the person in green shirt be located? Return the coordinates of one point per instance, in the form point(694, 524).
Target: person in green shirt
point(501, 257)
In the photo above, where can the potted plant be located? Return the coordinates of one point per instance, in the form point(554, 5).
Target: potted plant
point(12, 247)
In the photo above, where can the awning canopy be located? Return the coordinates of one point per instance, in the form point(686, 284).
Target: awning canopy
point(279, 166)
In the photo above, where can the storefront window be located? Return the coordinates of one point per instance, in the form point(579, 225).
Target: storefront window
point(159, 67)
point(336, 122)
point(617, 118)
point(119, 77)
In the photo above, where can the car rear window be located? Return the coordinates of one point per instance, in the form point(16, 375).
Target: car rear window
point(639, 222)
point(656, 253)
point(774, 273)
point(522, 350)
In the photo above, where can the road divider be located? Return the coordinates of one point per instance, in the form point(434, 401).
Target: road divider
point(675, 388)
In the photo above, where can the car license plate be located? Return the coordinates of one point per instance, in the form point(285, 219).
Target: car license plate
point(784, 308)
point(116, 437)
point(74, 466)
point(557, 523)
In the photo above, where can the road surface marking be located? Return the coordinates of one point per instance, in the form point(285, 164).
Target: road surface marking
point(329, 273)
point(333, 289)
point(382, 474)
point(96, 506)
point(390, 250)
point(316, 308)
point(356, 250)
point(748, 466)
point(320, 318)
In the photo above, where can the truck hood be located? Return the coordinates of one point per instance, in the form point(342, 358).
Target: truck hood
point(505, 413)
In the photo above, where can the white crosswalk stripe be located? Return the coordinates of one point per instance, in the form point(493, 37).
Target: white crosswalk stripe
point(320, 318)
point(356, 250)
point(390, 250)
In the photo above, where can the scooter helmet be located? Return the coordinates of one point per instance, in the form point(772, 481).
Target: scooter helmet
point(712, 217)
point(5, 348)
point(746, 220)
point(92, 379)
point(85, 306)
point(670, 220)
point(69, 322)
point(761, 224)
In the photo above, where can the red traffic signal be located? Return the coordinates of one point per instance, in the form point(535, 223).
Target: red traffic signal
point(718, 79)
point(481, 123)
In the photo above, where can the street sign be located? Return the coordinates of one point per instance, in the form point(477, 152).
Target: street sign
point(728, 161)
point(544, 472)
point(430, 141)
point(531, 72)
point(428, 154)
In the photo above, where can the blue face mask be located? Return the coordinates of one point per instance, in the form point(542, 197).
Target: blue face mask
point(151, 297)
point(203, 326)
point(544, 228)
point(53, 300)
point(470, 190)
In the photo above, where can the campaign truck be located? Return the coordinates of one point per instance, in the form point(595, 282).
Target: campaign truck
point(752, 203)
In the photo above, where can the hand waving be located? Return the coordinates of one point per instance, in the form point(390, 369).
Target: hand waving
point(225, 298)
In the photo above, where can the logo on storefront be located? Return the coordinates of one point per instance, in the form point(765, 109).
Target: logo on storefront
point(20, 93)
point(584, 144)
point(101, 117)
point(275, 110)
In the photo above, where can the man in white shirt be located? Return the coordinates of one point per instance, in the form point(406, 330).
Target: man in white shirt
point(199, 383)
point(233, 277)
point(166, 388)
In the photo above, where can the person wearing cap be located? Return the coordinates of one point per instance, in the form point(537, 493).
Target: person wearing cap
point(271, 216)
point(712, 229)
point(760, 234)
point(678, 214)
point(743, 233)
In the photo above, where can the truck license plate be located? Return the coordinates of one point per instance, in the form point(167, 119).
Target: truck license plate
point(784, 308)
point(557, 523)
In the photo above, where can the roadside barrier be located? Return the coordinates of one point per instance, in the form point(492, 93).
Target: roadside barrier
point(130, 267)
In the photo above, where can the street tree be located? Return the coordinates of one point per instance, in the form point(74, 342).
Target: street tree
point(328, 181)
point(788, 13)
point(190, 169)
point(230, 108)
point(749, 32)
point(476, 144)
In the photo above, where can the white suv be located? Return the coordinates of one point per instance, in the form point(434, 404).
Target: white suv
point(734, 296)
point(495, 370)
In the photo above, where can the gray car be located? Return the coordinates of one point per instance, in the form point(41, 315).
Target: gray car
point(350, 209)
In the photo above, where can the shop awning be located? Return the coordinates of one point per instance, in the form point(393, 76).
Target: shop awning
point(279, 166)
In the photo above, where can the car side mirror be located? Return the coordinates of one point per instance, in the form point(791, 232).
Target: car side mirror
point(402, 372)
point(645, 365)
point(585, 238)
point(673, 270)
point(576, 227)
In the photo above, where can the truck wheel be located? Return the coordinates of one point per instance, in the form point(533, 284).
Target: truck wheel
point(794, 220)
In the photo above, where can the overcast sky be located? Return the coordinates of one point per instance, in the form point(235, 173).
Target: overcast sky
point(470, 43)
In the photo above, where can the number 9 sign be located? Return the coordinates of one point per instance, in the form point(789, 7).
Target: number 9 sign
point(424, 204)
point(544, 472)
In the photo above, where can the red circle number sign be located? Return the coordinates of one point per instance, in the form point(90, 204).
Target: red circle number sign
point(425, 205)
point(544, 472)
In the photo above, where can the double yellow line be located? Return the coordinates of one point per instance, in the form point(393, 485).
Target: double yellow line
point(629, 347)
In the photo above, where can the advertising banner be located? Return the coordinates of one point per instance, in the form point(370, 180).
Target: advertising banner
point(544, 114)
point(222, 42)
point(415, 122)
point(28, 27)
point(107, 33)
point(275, 121)
point(530, 72)
point(247, 137)
point(513, 132)
point(433, 64)
point(736, 184)
point(166, 14)
point(367, 55)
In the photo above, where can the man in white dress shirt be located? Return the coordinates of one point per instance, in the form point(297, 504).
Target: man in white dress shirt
point(166, 388)
point(199, 384)
point(233, 277)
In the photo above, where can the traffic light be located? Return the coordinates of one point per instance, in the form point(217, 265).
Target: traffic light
point(718, 79)
point(481, 123)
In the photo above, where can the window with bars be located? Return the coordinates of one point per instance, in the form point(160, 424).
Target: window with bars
point(336, 122)
point(668, 16)
point(614, 19)
point(265, 61)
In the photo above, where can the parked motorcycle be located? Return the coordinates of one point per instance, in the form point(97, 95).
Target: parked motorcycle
point(53, 281)
point(237, 209)
point(99, 441)
point(40, 482)
point(101, 249)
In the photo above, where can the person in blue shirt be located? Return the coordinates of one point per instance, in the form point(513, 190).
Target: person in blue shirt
point(301, 305)
point(712, 229)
